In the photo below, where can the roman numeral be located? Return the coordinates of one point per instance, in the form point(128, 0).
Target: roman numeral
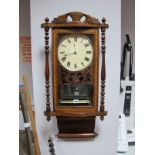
point(86, 58)
point(82, 63)
point(63, 59)
point(88, 52)
point(86, 44)
point(68, 41)
point(68, 63)
point(75, 38)
point(62, 52)
point(75, 66)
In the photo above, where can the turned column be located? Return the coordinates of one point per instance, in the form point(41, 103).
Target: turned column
point(103, 70)
point(47, 71)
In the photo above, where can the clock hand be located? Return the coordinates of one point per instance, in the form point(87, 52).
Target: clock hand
point(70, 53)
point(64, 57)
point(75, 50)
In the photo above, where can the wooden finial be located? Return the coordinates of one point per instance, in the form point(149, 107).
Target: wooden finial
point(51, 146)
point(46, 19)
point(103, 20)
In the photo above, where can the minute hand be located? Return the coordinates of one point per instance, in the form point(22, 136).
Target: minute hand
point(70, 53)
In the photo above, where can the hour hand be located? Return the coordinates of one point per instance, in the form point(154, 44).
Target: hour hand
point(75, 50)
point(70, 53)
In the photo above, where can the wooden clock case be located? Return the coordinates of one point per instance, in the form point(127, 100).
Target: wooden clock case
point(75, 121)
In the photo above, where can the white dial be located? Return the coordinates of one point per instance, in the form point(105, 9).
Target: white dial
point(75, 52)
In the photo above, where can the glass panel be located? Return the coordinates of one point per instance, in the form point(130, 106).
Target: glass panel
point(77, 94)
point(75, 56)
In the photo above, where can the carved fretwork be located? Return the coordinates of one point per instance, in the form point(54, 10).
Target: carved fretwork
point(103, 72)
point(47, 72)
point(75, 77)
point(76, 20)
point(75, 17)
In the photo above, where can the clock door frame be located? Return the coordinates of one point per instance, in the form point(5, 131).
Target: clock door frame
point(95, 65)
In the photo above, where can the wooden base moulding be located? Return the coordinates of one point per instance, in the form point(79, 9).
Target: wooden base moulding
point(52, 114)
point(76, 136)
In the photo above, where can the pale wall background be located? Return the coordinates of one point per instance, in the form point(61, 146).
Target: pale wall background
point(106, 142)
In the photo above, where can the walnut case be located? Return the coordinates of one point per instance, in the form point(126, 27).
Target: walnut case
point(75, 120)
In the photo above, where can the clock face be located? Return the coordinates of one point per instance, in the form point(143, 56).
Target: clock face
point(75, 52)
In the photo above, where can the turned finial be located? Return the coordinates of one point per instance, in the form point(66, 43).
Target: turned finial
point(103, 20)
point(46, 19)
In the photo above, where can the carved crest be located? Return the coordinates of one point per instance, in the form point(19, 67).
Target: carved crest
point(73, 17)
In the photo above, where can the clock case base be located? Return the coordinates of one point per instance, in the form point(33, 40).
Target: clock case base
point(76, 127)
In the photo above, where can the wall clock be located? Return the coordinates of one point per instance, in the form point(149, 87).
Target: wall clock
point(75, 73)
